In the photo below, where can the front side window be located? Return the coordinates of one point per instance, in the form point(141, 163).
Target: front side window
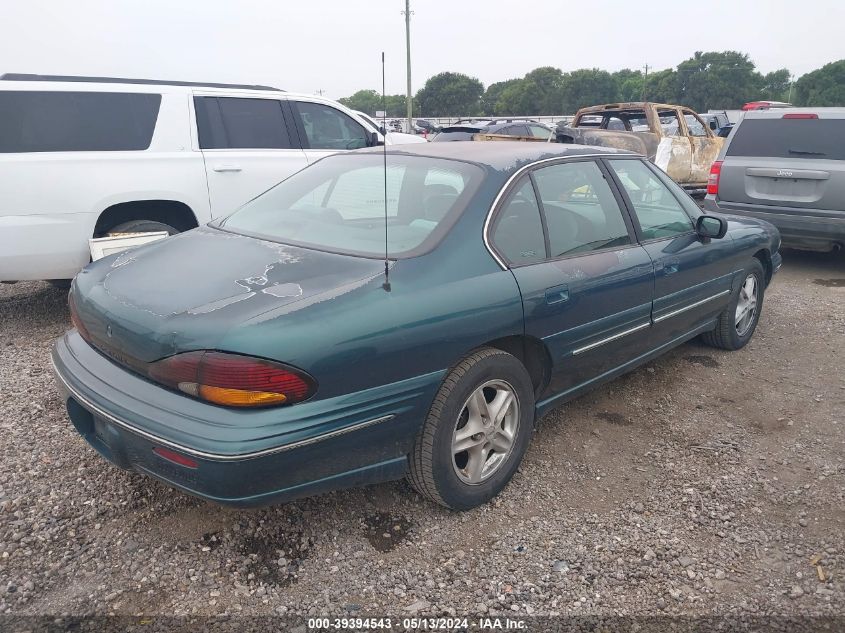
point(518, 232)
point(338, 205)
point(669, 122)
point(240, 123)
point(40, 121)
point(329, 128)
point(581, 212)
point(695, 127)
point(658, 211)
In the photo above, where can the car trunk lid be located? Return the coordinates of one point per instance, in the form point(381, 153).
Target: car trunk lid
point(187, 291)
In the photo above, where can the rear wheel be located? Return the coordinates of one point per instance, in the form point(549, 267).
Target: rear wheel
point(141, 226)
point(736, 324)
point(476, 432)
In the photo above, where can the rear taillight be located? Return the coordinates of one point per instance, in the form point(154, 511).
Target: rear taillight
point(713, 178)
point(75, 320)
point(800, 115)
point(233, 380)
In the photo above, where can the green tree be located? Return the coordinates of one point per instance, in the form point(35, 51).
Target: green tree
point(539, 92)
point(493, 93)
point(367, 101)
point(822, 87)
point(450, 94)
point(370, 101)
point(629, 85)
point(661, 86)
point(717, 80)
point(584, 87)
point(776, 85)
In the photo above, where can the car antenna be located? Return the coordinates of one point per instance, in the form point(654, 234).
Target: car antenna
point(386, 284)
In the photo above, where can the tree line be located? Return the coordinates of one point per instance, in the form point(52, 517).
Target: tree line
point(708, 80)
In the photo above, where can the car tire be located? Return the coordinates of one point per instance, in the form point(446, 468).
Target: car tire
point(465, 479)
point(142, 226)
point(731, 331)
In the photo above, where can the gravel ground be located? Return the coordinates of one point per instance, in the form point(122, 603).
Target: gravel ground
point(706, 483)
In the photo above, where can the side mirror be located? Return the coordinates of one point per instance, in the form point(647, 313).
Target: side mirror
point(711, 226)
point(374, 140)
point(381, 129)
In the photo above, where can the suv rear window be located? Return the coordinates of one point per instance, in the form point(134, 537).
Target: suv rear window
point(789, 138)
point(36, 121)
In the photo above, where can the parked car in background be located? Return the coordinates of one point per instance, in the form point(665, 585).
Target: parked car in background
point(89, 157)
point(392, 138)
point(268, 355)
point(786, 167)
point(427, 126)
point(465, 130)
point(725, 130)
point(675, 138)
point(765, 105)
point(715, 120)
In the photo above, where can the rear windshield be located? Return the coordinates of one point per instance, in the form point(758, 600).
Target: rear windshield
point(38, 121)
point(338, 205)
point(789, 138)
point(455, 134)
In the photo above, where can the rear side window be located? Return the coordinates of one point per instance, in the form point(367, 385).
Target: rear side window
point(36, 121)
point(518, 234)
point(789, 138)
point(241, 123)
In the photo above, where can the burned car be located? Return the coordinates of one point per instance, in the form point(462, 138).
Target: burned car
point(673, 137)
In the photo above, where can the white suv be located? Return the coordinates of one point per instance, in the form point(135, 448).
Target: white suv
point(84, 157)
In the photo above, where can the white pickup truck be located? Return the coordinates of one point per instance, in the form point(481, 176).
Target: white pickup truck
point(88, 157)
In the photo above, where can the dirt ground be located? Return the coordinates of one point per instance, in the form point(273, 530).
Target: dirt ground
point(705, 483)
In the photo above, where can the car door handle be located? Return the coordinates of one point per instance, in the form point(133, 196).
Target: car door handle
point(558, 294)
point(227, 168)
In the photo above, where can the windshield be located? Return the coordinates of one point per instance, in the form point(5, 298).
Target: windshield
point(338, 204)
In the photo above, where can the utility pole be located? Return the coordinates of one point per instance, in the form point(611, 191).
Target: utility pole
point(645, 83)
point(791, 83)
point(407, 13)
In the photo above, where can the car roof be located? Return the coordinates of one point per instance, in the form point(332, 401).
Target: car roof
point(779, 113)
point(505, 156)
point(124, 80)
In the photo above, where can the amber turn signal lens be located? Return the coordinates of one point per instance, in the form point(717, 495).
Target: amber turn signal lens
point(239, 397)
point(233, 380)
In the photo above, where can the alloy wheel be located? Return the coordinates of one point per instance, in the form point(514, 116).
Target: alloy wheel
point(746, 307)
point(485, 431)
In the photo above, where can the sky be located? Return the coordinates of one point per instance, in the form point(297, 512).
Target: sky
point(335, 46)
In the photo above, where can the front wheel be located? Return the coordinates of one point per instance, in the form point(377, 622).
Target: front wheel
point(736, 324)
point(476, 432)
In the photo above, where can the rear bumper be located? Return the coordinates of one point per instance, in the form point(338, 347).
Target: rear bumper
point(35, 247)
point(799, 228)
point(242, 458)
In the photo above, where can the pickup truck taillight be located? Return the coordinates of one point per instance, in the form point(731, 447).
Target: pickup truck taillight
point(713, 178)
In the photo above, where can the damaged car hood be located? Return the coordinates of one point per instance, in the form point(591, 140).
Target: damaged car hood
point(136, 305)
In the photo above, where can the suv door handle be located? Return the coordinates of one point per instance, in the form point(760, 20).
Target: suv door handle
point(558, 294)
point(227, 168)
